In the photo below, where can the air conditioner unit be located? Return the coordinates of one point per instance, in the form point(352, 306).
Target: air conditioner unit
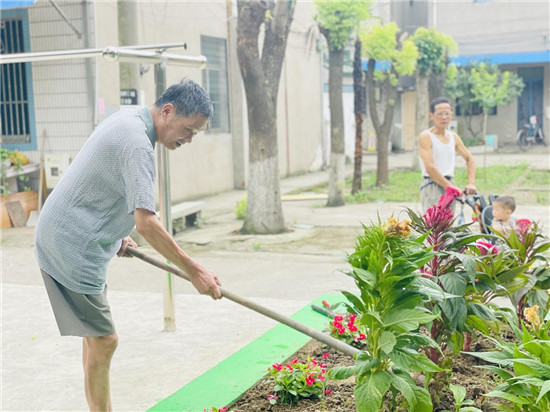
point(55, 165)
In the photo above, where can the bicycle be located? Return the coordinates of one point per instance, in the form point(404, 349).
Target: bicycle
point(530, 134)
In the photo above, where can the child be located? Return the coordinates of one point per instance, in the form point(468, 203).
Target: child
point(503, 221)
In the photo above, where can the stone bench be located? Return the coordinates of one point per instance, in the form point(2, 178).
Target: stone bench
point(185, 214)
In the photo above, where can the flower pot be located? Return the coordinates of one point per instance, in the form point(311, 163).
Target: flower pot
point(29, 201)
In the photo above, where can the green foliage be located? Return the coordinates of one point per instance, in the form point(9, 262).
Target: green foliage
point(491, 87)
point(459, 393)
point(240, 210)
point(381, 44)
point(433, 49)
point(340, 19)
point(523, 369)
point(390, 307)
point(9, 158)
point(295, 381)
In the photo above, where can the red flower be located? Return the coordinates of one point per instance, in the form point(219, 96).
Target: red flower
point(321, 377)
point(326, 355)
point(486, 248)
point(352, 328)
point(448, 198)
point(222, 409)
point(328, 392)
point(289, 367)
point(310, 380)
point(352, 318)
point(341, 331)
point(337, 325)
point(277, 366)
point(294, 361)
point(326, 304)
point(362, 336)
point(274, 397)
point(522, 225)
point(338, 318)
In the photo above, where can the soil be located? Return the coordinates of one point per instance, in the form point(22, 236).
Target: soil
point(464, 372)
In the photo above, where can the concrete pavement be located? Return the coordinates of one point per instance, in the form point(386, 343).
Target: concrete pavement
point(41, 371)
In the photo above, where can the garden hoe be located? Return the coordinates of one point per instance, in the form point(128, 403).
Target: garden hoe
point(300, 327)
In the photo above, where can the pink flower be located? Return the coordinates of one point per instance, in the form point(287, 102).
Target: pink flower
point(362, 336)
point(352, 328)
point(486, 248)
point(337, 325)
point(328, 392)
point(274, 397)
point(289, 367)
point(310, 380)
point(313, 362)
point(338, 318)
point(294, 361)
point(321, 377)
point(326, 355)
point(522, 225)
point(448, 198)
point(222, 409)
point(277, 366)
point(326, 304)
point(341, 331)
point(352, 318)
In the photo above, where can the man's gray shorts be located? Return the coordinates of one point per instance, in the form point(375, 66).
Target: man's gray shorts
point(77, 314)
point(430, 192)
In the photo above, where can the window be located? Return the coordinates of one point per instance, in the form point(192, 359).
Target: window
point(214, 79)
point(17, 108)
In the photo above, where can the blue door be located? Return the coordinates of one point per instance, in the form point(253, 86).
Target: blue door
point(531, 100)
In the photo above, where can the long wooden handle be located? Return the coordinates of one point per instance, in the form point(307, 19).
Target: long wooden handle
point(315, 334)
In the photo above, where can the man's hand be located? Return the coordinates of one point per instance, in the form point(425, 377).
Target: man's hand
point(127, 241)
point(470, 189)
point(206, 282)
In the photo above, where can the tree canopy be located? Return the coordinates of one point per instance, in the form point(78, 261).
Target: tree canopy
point(433, 49)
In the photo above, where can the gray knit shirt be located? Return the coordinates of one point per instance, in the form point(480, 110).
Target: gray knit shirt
point(91, 210)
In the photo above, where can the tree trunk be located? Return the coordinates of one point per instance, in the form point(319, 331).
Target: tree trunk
point(337, 144)
point(359, 109)
point(382, 129)
point(261, 76)
point(422, 110)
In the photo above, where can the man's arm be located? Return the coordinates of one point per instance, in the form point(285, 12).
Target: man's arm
point(470, 164)
point(148, 226)
point(426, 154)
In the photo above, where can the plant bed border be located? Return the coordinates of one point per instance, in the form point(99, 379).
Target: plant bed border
point(228, 380)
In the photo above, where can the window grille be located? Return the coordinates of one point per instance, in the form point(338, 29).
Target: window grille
point(214, 79)
point(15, 107)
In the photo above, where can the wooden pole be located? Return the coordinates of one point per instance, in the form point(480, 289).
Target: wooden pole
point(300, 327)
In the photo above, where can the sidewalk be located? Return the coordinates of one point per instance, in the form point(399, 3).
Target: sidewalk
point(41, 371)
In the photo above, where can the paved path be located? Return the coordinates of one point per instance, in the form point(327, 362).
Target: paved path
point(41, 371)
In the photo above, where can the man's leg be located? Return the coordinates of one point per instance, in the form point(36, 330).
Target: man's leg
point(97, 354)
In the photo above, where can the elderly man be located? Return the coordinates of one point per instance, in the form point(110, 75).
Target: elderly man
point(437, 148)
point(107, 190)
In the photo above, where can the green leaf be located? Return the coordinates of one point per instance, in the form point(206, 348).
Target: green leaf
point(364, 366)
point(370, 392)
point(429, 288)
point(355, 301)
point(543, 390)
point(481, 311)
point(413, 361)
point(459, 392)
point(502, 373)
point(341, 372)
point(406, 320)
point(519, 400)
point(493, 357)
point(453, 283)
point(418, 398)
point(476, 323)
point(386, 342)
point(538, 367)
point(368, 277)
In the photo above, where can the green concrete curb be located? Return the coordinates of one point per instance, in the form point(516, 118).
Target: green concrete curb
point(228, 380)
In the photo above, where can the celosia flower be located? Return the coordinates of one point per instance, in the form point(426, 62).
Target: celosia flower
point(395, 227)
point(435, 217)
point(532, 317)
point(449, 197)
point(326, 355)
point(522, 226)
point(326, 304)
point(310, 380)
point(486, 248)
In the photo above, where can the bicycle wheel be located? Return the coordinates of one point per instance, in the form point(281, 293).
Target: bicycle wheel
point(540, 136)
point(524, 142)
